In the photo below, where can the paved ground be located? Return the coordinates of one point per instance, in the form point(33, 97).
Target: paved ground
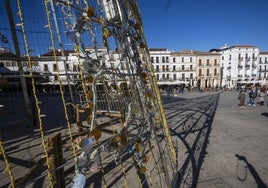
point(237, 153)
point(219, 144)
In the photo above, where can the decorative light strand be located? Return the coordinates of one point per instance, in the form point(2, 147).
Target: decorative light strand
point(8, 168)
point(60, 82)
point(35, 93)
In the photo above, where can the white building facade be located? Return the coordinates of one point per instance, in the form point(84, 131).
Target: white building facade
point(239, 65)
point(262, 75)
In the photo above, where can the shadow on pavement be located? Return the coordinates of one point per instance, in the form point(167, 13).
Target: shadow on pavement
point(265, 114)
point(252, 170)
point(190, 122)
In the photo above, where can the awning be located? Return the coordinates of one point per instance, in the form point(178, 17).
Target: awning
point(177, 82)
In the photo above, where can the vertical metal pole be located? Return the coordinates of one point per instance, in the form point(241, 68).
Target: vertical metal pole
point(61, 48)
point(17, 51)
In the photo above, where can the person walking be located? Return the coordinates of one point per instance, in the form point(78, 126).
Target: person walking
point(241, 98)
point(252, 96)
point(262, 96)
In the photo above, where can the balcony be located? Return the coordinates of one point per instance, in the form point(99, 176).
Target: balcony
point(240, 66)
point(262, 70)
point(240, 59)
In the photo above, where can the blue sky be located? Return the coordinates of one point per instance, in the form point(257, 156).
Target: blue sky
point(205, 24)
point(174, 24)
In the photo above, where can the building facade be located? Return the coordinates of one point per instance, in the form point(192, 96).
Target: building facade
point(263, 68)
point(208, 70)
point(228, 67)
point(239, 65)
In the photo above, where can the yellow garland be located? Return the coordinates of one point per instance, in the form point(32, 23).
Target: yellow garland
point(60, 83)
point(34, 92)
point(8, 168)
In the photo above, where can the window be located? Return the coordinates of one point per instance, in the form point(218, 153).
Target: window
point(215, 72)
point(182, 59)
point(239, 56)
point(191, 59)
point(174, 67)
point(222, 57)
point(163, 59)
point(246, 56)
point(207, 62)
point(167, 68)
point(174, 59)
point(167, 59)
point(55, 78)
point(24, 63)
point(164, 76)
point(54, 67)
point(215, 61)
point(174, 77)
point(157, 76)
point(182, 67)
point(200, 62)
point(103, 64)
point(200, 72)
point(8, 64)
point(157, 60)
point(207, 72)
point(74, 68)
point(14, 64)
point(67, 66)
point(152, 59)
point(191, 67)
point(168, 76)
point(183, 76)
point(191, 76)
point(230, 57)
point(163, 67)
point(157, 68)
point(45, 67)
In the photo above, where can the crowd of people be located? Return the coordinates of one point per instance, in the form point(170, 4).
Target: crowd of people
point(256, 95)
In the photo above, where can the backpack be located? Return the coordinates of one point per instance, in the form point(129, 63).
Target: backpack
point(252, 94)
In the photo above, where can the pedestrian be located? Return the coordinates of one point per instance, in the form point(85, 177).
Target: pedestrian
point(262, 96)
point(241, 98)
point(252, 96)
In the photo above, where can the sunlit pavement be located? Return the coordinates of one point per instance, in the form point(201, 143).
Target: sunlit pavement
point(219, 144)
